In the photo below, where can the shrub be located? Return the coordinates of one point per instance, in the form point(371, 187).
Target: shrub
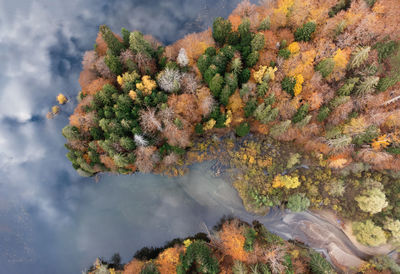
point(298, 202)
point(288, 84)
point(304, 33)
point(221, 29)
point(325, 67)
point(243, 129)
point(368, 233)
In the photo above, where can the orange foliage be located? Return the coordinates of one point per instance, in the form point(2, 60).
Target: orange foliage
point(133, 267)
point(108, 162)
point(101, 47)
point(235, 20)
point(270, 41)
point(95, 86)
point(186, 106)
point(168, 260)
point(233, 241)
point(339, 160)
point(285, 34)
point(86, 77)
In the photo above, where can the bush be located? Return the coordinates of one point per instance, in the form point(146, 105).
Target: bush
point(288, 84)
point(298, 202)
point(243, 129)
point(304, 33)
point(221, 29)
point(325, 67)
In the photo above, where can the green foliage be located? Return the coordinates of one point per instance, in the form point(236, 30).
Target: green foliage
point(216, 85)
point(203, 63)
point(199, 129)
point(372, 200)
point(239, 268)
point(325, 67)
point(250, 107)
point(232, 81)
point(288, 84)
point(348, 87)
point(384, 262)
point(265, 113)
point(341, 5)
point(224, 95)
point(258, 42)
point(113, 44)
point(244, 75)
point(221, 29)
point(71, 132)
point(370, 134)
point(387, 82)
point(284, 53)
point(127, 143)
point(210, 51)
point(366, 86)
point(301, 113)
point(340, 27)
point(304, 33)
point(113, 63)
point(139, 45)
point(125, 36)
point(236, 66)
point(298, 202)
point(252, 59)
point(359, 56)
point(368, 233)
point(210, 73)
point(337, 101)
point(262, 89)
point(149, 268)
point(265, 24)
point(319, 265)
point(199, 258)
point(250, 237)
point(323, 113)
point(245, 33)
point(260, 200)
point(385, 49)
point(393, 150)
point(370, 3)
point(243, 129)
point(280, 128)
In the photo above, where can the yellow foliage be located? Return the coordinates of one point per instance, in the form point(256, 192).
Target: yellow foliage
point(228, 118)
point(380, 142)
point(120, 80)
point(259, 74)
point(235, 102)
point(187, 242)
point(341, 59)
point(168, 260)
point(286, 181)
point(284, 6)
point(356, 126)
point(299, 84)
point(147, 85)
point(271, 72)
point(61, 99)
point(55, 110)
point(133, 95)
point(338, 163)
point(233, 241)
point(294, 48)
point(209, 125)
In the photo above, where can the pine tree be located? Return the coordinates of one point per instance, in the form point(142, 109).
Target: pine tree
point(112, 42)
point(221, 30)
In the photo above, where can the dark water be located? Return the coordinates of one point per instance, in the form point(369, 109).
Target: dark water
point(51, 220)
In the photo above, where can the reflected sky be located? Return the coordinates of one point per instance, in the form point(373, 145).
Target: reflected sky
point(51, 220)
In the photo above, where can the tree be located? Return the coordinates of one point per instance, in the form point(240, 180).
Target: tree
point(182, 58)
point(304, 33)
point(221, 30)
point(61, 99)
point(368, 233)
point(366, 86)
point(280, 128)
point(288, 84)
point(113, 43)
point(113, 63)
point(139, 45)
point(319, 265)
point(199, 256)
point(298, 202)
point(372, 200)
point(265, 113)
point(216, 85)
point(359, 56)
point(258, 42)
point(325, 67)
point(252, 59)
point(169, 80)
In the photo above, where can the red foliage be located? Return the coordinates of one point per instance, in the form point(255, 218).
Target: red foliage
point(95, 86)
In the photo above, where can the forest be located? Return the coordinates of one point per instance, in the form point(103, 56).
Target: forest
point(299, 100)
point(233, 246)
